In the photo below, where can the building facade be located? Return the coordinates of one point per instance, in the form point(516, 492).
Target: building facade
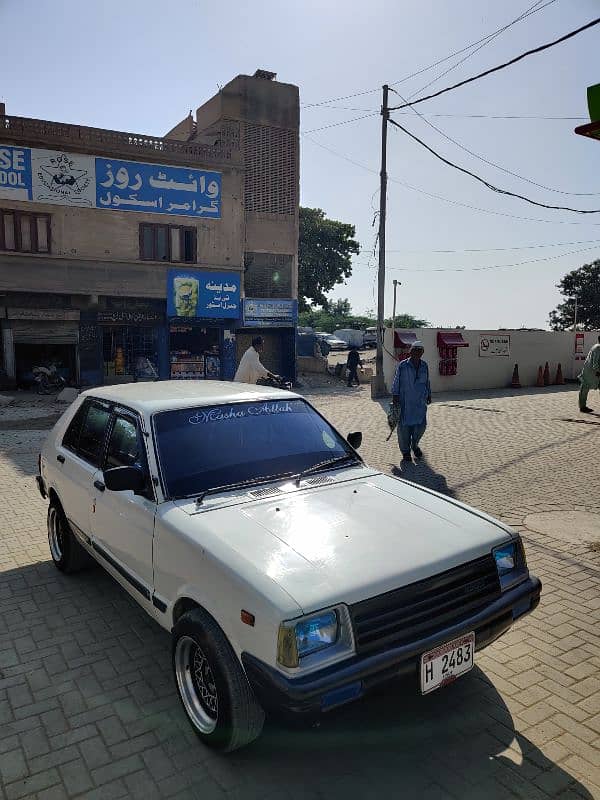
point(128, 257)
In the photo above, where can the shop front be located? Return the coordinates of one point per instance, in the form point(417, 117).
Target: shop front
point(203, 307)
point(275, 320)
point(130, 343)
point(39, 337)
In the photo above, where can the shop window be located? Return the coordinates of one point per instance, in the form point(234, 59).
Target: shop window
point(174, 243)
point(24, 233)
point(130, 353)
point(194, 353)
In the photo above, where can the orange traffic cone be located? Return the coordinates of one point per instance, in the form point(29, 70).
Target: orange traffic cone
point(559, 381)
point(515, 383)
point(546, 375)
point(540, 377)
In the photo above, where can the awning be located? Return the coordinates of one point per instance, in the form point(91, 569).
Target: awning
point(404, 339)
point(451, 339)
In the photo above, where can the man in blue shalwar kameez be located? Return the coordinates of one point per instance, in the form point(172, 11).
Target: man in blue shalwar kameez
point(411, 394)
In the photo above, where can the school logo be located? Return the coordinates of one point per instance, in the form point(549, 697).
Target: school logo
point(63, 178)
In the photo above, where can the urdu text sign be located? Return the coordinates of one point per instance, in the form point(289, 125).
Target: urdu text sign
point(493, 345)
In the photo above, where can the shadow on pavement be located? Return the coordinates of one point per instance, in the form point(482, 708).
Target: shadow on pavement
point(81, 642)
point(422, 473)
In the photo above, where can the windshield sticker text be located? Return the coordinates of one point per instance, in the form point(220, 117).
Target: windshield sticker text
point(223, 414)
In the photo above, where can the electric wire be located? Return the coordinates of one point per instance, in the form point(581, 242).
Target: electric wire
point(502, 66)
point(487, 183)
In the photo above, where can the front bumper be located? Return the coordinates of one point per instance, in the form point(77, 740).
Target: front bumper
point(310, 695)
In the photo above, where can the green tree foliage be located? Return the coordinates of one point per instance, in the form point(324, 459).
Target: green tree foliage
point(325, 251)
point(339, 314)
point(583, 284)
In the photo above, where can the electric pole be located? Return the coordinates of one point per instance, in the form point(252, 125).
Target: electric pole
point(378, 385)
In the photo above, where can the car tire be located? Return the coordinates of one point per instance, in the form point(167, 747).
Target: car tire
point(212, 686)
point(67, 554)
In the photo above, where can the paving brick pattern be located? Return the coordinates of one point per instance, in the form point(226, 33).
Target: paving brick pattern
point(87, 703)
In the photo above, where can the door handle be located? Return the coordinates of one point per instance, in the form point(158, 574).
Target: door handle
point(99, 485)
point(60, 459)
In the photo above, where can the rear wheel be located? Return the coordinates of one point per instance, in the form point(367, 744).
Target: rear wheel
point(68, 555)
point(212, 686)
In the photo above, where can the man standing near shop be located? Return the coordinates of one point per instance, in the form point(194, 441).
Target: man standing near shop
point(352, 364)
point(250, 368)
point(411, 394)
point(589, 376)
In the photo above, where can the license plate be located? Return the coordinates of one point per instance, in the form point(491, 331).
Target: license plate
point(447, 662)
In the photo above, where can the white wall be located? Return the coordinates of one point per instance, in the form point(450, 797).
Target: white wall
point(528, 349)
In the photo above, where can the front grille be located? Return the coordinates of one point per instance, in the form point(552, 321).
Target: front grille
point(424, 608)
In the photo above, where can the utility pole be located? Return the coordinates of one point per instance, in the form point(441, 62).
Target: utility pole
point(575, 318)
point(396, 284)
point(378, 384)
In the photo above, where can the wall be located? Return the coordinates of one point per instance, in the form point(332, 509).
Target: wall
point(528, 349)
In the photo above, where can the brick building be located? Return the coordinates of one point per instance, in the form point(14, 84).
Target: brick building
point(125, 256)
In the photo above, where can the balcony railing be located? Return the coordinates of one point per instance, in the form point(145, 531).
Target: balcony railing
point(62, 136)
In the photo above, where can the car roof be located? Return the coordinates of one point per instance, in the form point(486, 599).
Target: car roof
point(149, 397)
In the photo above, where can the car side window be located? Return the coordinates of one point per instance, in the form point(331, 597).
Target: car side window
point(71, 437)
point(124, 444)
point(93, 432)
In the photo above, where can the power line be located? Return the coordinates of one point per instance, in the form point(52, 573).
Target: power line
point(493, 163)
point(502, 66)
point(419, 71)
point(500, 249)
point(448, 199)
point(463, 116)
point(528, 12)
point(343, 122)
point(486, 183)
point(493, 266)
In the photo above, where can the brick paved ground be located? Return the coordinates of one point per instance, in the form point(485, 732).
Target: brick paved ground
point(87, 703)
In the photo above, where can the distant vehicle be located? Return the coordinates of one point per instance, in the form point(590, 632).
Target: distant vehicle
point(352, 337)
point(370, 337)
point(335, 343)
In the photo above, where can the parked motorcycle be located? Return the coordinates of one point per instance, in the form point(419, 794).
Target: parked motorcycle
point(276, 382)
point(48, 380)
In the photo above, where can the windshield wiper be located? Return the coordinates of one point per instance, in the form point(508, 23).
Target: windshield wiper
point(238, 485)
point(329, 462)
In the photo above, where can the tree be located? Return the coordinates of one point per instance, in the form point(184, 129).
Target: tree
point(583, 285)
point(325, 252)
point(406, 321)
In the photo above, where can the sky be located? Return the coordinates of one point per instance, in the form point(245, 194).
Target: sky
point(141, 65)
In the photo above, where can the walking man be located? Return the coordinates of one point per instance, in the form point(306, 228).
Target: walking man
point(589, 376)
point(352, 365)
point(411, 394)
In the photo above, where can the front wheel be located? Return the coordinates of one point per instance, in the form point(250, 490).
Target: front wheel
point(212, 686)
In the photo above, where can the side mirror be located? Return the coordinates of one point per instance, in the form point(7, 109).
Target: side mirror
point(121, 479)
point(355, 439)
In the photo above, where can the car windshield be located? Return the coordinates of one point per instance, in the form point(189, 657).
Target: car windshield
point(210, 446)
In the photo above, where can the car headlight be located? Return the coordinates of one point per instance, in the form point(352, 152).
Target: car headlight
point(314, 638)
point(510, 563)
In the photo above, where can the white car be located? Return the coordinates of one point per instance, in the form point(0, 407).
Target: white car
point(335, 343)
point(292, 576)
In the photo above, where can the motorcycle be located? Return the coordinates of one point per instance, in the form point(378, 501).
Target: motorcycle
point(48, 380)
point(276, 382)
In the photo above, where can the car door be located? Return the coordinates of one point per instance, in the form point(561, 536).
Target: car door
point(78, 457)
point(123, 522)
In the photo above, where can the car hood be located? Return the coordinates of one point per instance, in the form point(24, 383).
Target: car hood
point(353, 539)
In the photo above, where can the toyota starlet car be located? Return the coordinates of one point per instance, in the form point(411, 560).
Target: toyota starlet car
point(292, 576)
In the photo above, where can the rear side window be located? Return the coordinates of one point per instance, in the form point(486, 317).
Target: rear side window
point(93, 430)
point(71, 437)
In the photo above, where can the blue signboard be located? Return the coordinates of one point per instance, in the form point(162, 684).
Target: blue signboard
point(265, 313)
point(133, 186)
point(15, 172)
point(208, 295)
